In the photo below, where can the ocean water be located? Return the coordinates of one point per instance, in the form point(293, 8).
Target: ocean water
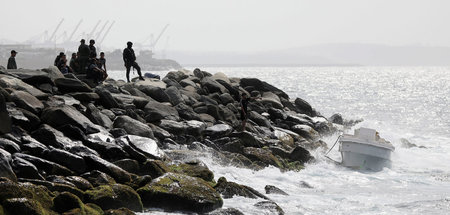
point(400, 102)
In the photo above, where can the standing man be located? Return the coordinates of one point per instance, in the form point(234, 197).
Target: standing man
point(93, 50)
point(244, 110)
point(12, 61)
point(73, 65)
point(83, 59)
point(130, 61)
point(102, 61)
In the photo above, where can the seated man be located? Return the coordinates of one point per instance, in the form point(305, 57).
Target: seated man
point(94, 72)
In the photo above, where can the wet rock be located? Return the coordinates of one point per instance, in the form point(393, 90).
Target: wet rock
point(303, 107)
point(66, 201)
point(155, 93)
point(336, 118)
point(120, 211)
point(48, 167)
point(17, 84)
point(306, 132)
point(68, 85)
point(59, 116)
point(156, 111)
point(194, 170)
point(53, 72)
point(230, 189)
point(71, 161)
point(97, 117)
point(154, 168)
point(263, 155)
point(114, 197)
point(32, 146)
point(50, 136)
point(218, 130)
point(85, 96)
point(226, 211)
point(173, 127)
point(79, 182)
point(5, 167)
point(187, 82)
point(97, 178)
point(407, 144)
point(25, 169)
point(129, 165)
point(270, 189)
point(226, 98)
point(186, 112)
point(9, 146)
point(272, 99)
point(23, 206)
point(27, 101)
point(259, 119)
point(195, 128)
point(147, 146)
point(271, 207)
point(213, 86)
point(248, 139)
point(262, 86)
point(33, 120)
point(133, 126)
point(174, 95)
point(180, 192)
point(106, 99)
point(5, 126)
point(97, 163)
point(300, 154)
point(304, 184)
point(201, 74)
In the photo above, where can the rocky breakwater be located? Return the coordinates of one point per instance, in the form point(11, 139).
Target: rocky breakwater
point(69, 147)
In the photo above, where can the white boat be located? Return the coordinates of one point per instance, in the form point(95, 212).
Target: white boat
point(365, 150)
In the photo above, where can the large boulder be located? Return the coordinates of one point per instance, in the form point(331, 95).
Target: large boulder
point(271, 207)
point(180, 192)
point(230, 189)
point(114, 197)
point(26, 101)
point(53, 72)
point(177, 76)
point(213, 86)
point(71, 161)
point(97, 163)
point(218, 130)
point(155, 93)
point(262, 155)
point(174, 95)
point(68, 85)
point(106, 98)
point(68, 203)
point(5, 167)
point(186, 112)
point(262, 86)
point(303, 107)
point(7, 81)
point(139, 102)
point(25, 169)
point(147, 146)
point(300, 154)
point(5, 126)
point(9, 146)
point(270, 189)
point(272, 99)
point(133, 126)
point(97, 117)
point(50, 136)
point(306, 132)
point(59, 116)
point(156, 111)
point(45, 166)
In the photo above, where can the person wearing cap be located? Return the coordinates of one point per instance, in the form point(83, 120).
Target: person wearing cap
point(129, 59)
point(58, 58)
point(12, 61)
point(83, 59)
point(93, 50)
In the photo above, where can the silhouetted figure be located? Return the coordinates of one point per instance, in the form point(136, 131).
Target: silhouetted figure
point(83, 58)
point(74, 63)
point(94, 72)
point(58, 57)
point(130, 61)
point(244, 111)
point(102, 61)
point(62, 65)
point(93, 50)
point(12, 61)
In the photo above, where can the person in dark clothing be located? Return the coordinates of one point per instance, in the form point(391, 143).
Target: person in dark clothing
point(94, 72)
point(62, 65)
point(83, 58)
point(244, 111)
point(93, 50)
point(129, 59)
point(12, 60)
point(58, 58)
point(102, 61)
point(73, 65)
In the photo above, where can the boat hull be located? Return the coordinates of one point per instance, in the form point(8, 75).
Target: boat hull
point(365, 156)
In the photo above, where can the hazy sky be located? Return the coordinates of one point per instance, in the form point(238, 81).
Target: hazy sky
point(238, 25)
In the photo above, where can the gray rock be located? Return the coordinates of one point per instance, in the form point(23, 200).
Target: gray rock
point(258, 119)
point(139, 102)
point(15, 83)
point(9, 146)
point(5, 126)
point(25, 169)
point(133, 126)
point(186, 112)
point(218, 130)
point(59, 116)
point(147, 146)
point(156, 111)
point(300, 154)
point(173, 127)
point(270, 189)
point(106, 98)
point(79, 182)
point(85, 96)
point(201, 74)
point(97, 117)
point(306, 132)
point(303, 107)
point(195, 128)
point(226, 211)
point(27, 101)
point(271, 207)
point(230, 189)
point(336, 118)
point(53, 72)
point(68, 85)
point(5, 167)
point(226, 98)
point(48, 167)
point(97, 163)
point(174, 95)
point(187, 82)
point(97, 178)
point(177, 76)
point(262, 86)
point(156, 93)
point(272, 99)
point(71, 161)
point(213, 86)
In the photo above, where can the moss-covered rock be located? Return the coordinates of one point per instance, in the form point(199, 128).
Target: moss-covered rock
point(271, 207)
point(154, 168)
point(114, 197)
point(193, 170)
point(24, 206)
point(97, 178)
point(230, 189)
point(263, 155)
point(66, 201)
point(120, 211)
point(174, 191)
